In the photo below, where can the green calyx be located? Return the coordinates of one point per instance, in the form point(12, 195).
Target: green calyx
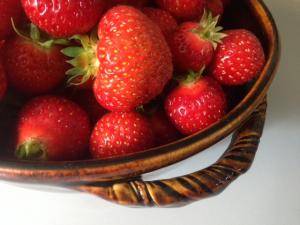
point(192, 77)
point(31, 150)
point(84, 61)
point(209, 29)
point(37, 37)
point(140, 109)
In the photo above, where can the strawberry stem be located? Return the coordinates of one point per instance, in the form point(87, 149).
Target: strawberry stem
point(31, 150)
point(84, 60)
point(192, 77)
point(208, 29)
point(17, 31)
point(140, 109)
point(36, 36)
point(35, 33)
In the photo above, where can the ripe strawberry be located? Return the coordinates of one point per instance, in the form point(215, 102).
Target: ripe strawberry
point(119, 134)
point(225, 3)
point(215, 6)
point(86, 99)
point(164, 130)
point(196, 104)
point(3, 82)
point(34, 67)
point(135, 3)
point(184, 10)
point(135, 60)
point(1, 44)
point(79, 84)
point(163, 19)
point(52, 128)
point(193, 44)
point(64, 18)
point(239, 59)
point(9, 9)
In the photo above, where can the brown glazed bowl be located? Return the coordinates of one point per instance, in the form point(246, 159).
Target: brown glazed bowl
point(119, 180)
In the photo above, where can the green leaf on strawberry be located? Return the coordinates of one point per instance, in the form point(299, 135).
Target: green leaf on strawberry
point(85, 63)
point(41, 39)
point(209, 30)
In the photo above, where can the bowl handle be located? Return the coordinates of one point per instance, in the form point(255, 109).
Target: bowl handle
point(178, 191)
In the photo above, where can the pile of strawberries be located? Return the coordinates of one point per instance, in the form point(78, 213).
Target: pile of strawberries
point(107, 78)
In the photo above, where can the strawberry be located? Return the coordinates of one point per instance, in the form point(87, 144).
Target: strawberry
point(184, 10)
point(3, 82)
point(163, 19)
point(64, 18)
point(86, 99)
point(164, 130)
point(52, 128)
point(2, 42)
point(135, 60)
point(9, 9)
point(135, 3)
point(79, 84)
point(225, 3)
point(239, 59)
point(119, 134)
point(215, 6)
point(193, 44)
point(196, 104)
point(34, 67)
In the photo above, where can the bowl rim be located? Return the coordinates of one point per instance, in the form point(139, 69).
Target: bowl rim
point(156, 158)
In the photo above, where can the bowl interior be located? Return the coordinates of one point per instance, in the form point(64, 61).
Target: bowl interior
point(249, 14)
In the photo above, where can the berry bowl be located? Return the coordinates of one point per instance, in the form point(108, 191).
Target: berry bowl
point(119, 179)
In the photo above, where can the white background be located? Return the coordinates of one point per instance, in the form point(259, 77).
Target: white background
point(267, 195)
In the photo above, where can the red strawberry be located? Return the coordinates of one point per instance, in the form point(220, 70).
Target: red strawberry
point(52, 128)
point(3, 82)
point(196, 104)
point(184, 10)
point(239, 59)
point(1, 44)
point(136, 3)
point(193, 44)
point(34, 67)
point(86, 99)
point(64, 18)
point(9, 9)
point(215, 6)
point(163, 19)
point(119, 134)
point(80, 85)
point(225, 2)
point(135, 60)
point(164, 130)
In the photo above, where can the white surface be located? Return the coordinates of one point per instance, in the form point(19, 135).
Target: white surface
point(267, 195)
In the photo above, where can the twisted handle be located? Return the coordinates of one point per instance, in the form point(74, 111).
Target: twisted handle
point(207, 182)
